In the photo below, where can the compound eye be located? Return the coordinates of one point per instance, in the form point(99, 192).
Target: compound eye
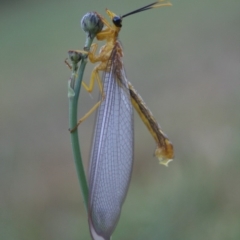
point(117, 21)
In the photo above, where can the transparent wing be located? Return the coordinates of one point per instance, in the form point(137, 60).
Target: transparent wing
point(112, 152)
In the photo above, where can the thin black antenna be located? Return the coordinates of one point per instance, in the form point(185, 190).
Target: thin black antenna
point(149, 6)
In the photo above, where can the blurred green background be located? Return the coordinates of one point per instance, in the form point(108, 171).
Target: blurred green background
point(183, 60)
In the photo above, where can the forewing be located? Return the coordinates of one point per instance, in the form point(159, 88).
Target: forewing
point(112, 152)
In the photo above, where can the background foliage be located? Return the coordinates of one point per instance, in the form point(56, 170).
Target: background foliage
point(183, 60)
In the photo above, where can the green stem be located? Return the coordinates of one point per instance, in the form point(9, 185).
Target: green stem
point(73, 93)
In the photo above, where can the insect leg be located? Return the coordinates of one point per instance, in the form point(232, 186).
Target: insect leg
point(94, 76)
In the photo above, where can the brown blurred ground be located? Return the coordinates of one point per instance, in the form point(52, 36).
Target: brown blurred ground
point(183, 60)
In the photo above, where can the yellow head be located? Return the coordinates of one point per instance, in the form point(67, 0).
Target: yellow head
point(117, 21)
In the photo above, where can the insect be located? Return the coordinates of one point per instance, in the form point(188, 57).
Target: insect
point(112, 149)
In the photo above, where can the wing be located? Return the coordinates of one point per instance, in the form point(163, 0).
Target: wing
point(112, 151)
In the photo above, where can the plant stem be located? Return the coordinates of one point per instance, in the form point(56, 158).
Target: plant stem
point(74, 87)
